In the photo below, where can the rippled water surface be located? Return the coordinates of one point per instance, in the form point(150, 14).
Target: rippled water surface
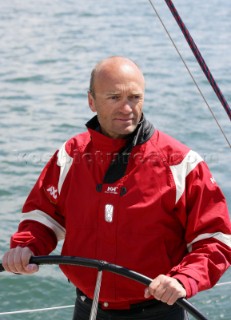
point(47, 51)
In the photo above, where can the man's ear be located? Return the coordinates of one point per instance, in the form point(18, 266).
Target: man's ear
point(91, 102)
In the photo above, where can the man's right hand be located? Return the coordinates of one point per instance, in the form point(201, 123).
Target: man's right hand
point(17, 261)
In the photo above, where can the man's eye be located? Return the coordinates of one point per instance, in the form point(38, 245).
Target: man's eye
point(114, 97)
point(136, 97)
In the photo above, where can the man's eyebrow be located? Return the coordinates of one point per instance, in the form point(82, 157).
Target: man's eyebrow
point(114, 92)
point(119, 93)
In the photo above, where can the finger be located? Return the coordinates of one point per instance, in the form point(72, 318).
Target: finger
point(165, 296)
point(155, 285)
point(16, 262)
point(11, 261)
point(169, 296)
point(160, 291)
point(172, 299)
point(25, 256)
point(5, 261)
point(21, 261)
point(147, 293)
point(31, 268)
point(177, 292)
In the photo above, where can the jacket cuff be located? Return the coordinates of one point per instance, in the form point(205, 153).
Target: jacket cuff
point(38, 238)
point(188, 283)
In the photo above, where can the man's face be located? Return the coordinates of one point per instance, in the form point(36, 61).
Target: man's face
point(118, 99)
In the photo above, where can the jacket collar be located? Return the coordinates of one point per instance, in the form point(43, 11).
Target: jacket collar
point(118, 166)
point(143, 132)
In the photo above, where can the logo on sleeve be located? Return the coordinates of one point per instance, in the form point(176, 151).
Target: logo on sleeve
point(212, 180)
point(53, 192)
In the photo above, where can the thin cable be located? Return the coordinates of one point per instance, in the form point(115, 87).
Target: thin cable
point(190, 73)
point(72, 306)
point(223, 284)
point(35, 310)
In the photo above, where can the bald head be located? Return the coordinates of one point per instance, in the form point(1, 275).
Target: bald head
point(117, 95)
point(112, 67)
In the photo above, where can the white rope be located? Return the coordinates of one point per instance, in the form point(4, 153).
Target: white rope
point(222, 284)
point(72, 306)
point(36, 310)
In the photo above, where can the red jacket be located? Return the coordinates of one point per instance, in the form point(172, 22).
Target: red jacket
point(166, 215)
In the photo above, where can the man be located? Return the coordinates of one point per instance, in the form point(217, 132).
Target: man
point(129, 194)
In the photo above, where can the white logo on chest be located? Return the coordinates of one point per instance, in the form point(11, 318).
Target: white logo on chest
point(108, 212)
point(112, 190)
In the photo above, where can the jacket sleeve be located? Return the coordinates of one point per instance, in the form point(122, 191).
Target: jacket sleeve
point(208, 231)
point(42, 224)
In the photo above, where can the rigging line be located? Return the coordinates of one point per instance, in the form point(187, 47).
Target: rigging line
point(199, 57)
point(190, 73)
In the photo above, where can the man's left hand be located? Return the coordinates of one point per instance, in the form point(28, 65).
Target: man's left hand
point(165, 289)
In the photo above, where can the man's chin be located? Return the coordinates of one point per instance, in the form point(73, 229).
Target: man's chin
point(127, 131)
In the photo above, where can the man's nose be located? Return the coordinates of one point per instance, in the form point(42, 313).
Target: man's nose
point(126, 106)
